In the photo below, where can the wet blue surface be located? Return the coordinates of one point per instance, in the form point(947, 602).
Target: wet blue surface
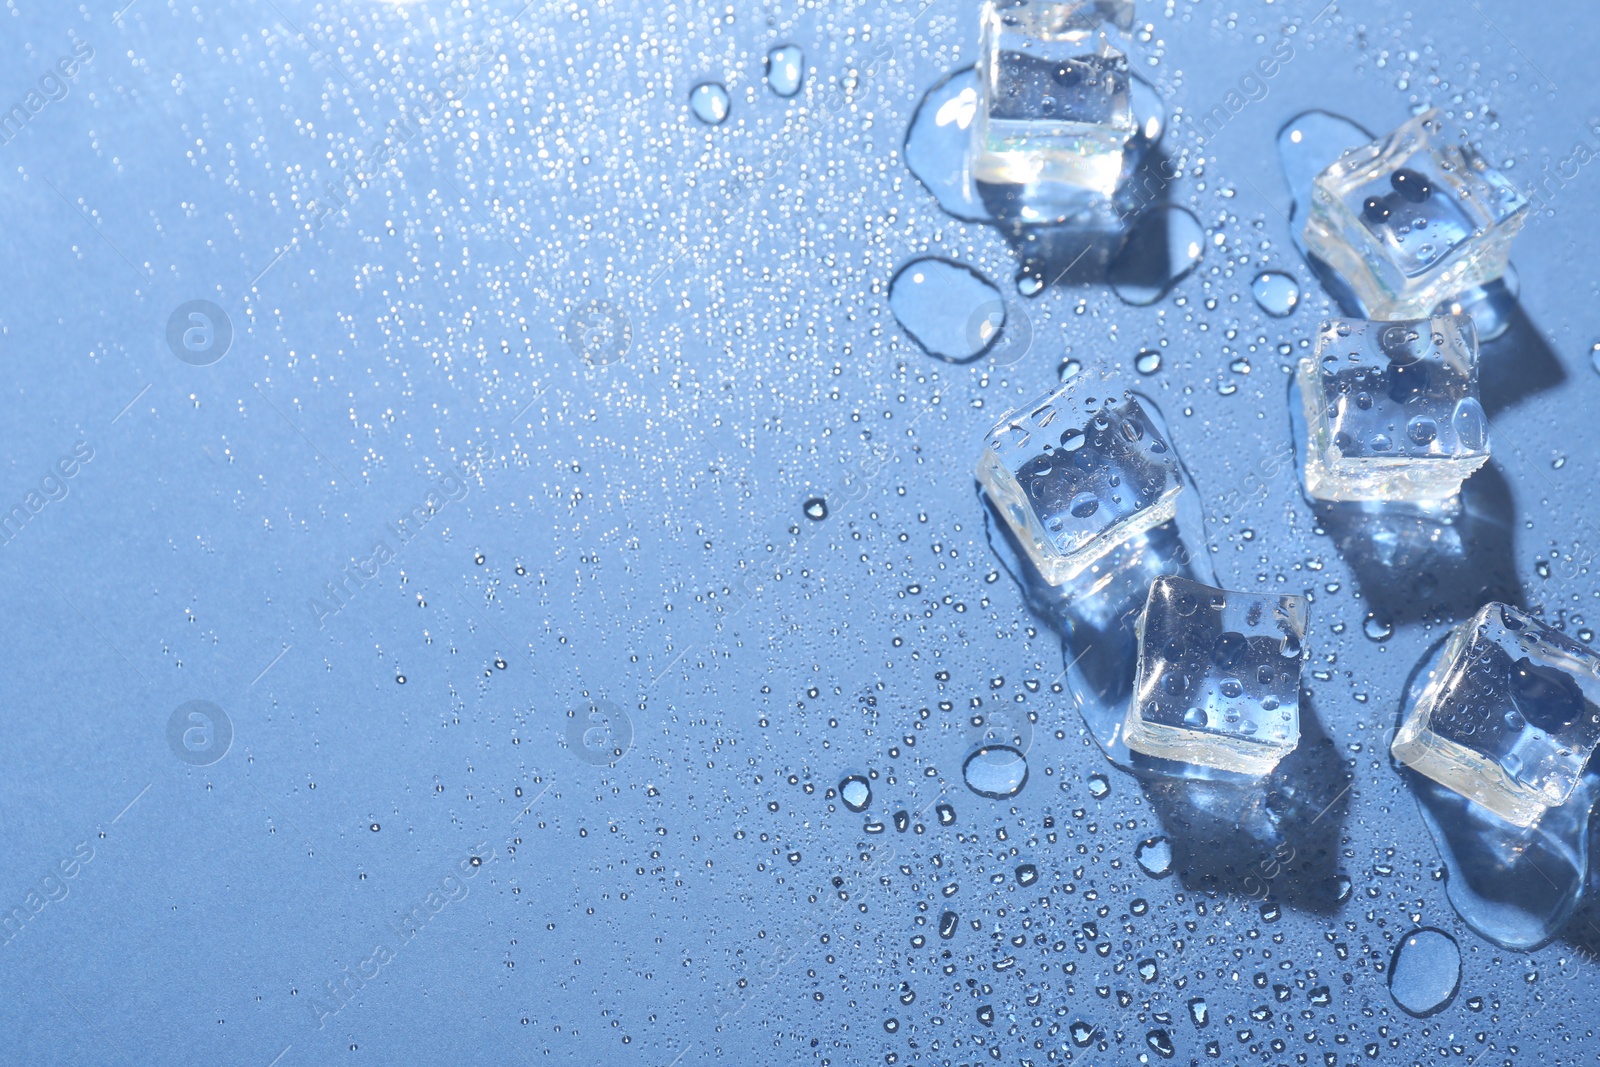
point(536, 369)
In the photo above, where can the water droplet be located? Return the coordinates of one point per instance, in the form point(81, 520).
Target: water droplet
point(995, 772)
point(374, 827)
point(1082, 1033)
point(1308, 143)
point(1027, 874)
point(1471, 425)
point(949, 309)
point(1147, 362)
point(1149, 109)
point(891, 1025)
point(785, 69)
point(1161, 246)
point(1099, 786)
point(937, 142)
point(1277, 293)
point(1069, 369)
point(1594, 357)
point(986, 1015)
point(1425, 972)
point(816, 509)
point(947, 925)
point(856, 792)
point(710, 103)
point(1155, 856)
point(1376, 629)
point(947, 814)
point(1197, 1012)
point(1161, 1041)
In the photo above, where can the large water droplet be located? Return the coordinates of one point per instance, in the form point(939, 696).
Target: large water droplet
point(856, 792)
point(1149, 110)
point(1154, 856)
point(950, 310)
point(1470, 423)
point(1308, 145)
point(937, 142)
point(1162, 245)
point(785, 69)
point(1277, 293)
point(1147, 362)
point(710, 103)
point(1161, 1041)
point(1425, 972)
point(996, 772)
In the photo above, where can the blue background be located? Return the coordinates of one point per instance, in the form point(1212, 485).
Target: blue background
point(393, 318)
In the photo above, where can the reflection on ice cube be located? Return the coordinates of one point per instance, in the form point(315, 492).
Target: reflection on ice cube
point(1218, 678)
point(1054, 104)
point(1509, 716)
point(1413, 219)
point(1078, 472)
point(1391, 410)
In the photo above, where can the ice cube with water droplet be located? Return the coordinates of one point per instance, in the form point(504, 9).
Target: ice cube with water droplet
point(1414, 218)
point(1509, 715)
point(1055, 105)
point(1077, 473)
point(1218, 677)
point(1392, 410)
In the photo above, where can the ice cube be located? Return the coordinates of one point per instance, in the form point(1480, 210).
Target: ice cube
point(1509, 715)
point(1078, 472)
point(1054, 106)
point(1414, 218)
point(1218, 680)
point(1391, 409)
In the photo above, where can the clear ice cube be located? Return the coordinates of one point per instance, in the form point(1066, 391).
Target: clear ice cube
point(1078, 472)
point(1509, 715)
point(1414, 218)
point(1218, 680)
point(1055, 106)
point(1392, 410)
